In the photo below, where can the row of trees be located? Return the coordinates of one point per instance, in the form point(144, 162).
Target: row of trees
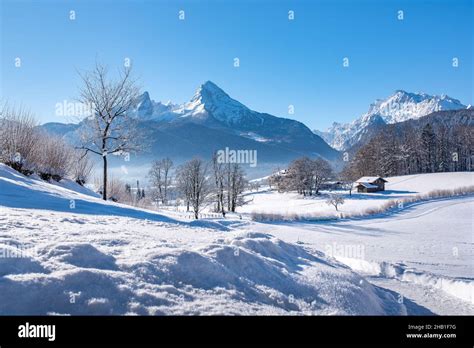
point(304, 175)
point(161, 179)
point(199, 184)
point(28, 149)
point(410, 150)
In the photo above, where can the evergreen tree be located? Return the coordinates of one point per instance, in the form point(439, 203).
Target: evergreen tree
point(428, 149)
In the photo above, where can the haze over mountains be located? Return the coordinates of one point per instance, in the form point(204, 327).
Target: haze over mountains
point(212, 121)
point(399, 107)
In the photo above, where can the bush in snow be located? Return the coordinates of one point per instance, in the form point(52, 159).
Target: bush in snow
point(54, 158)
point(81, 168)
point(19, 139)
point(27, 149)
point(116, 188)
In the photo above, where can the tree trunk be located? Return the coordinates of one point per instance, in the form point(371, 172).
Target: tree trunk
point(104, 188)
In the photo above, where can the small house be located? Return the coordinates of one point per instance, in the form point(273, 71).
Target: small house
point(331, 185)
point(370, 184)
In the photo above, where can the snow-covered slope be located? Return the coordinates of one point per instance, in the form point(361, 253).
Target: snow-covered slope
point(208, 101)
point(19, 191)
point(104, 258)
point(148, 109)
point(399, 107)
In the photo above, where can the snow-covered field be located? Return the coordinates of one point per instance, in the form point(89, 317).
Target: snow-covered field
point(68, 252)
point(397, 188)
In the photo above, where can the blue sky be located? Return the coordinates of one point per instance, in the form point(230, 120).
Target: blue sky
point(282, 62)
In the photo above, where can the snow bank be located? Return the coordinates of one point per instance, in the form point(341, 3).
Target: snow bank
point(16, 261)
point(460, 288)
point(251, 273)
point(81, 255)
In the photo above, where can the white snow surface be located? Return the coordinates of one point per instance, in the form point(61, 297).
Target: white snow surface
point(106, 258)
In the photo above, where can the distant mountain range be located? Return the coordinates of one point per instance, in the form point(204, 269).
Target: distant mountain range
point(211, 121)
point(399, 107)
point(439, 119)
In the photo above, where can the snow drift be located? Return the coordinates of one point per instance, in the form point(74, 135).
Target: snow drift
point(248, 274)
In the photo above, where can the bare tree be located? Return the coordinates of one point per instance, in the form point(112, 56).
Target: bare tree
point(236, 183)
point(166, 164)
point(54, 157)
point(193, 176)
point(218, 169)
point(279, 180)
point(160, 177)
point(335, 200)
point(321, 171)
point(109, 130)
point(155, 174)
point(306, 175)
point(254, 185)
point(300, 176)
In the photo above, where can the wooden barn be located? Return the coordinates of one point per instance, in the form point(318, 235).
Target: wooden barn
point(370, 184)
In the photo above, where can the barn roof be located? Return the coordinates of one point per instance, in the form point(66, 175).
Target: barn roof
point(369, 179)
point(367, 185)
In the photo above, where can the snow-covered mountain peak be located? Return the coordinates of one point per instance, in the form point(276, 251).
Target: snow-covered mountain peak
point(403, 105)
point(211, 99)
point(210, 87)
point(146, 108)
point(209, 92)
point(399, 107)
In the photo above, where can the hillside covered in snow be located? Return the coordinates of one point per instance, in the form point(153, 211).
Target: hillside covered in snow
point(67, 252)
